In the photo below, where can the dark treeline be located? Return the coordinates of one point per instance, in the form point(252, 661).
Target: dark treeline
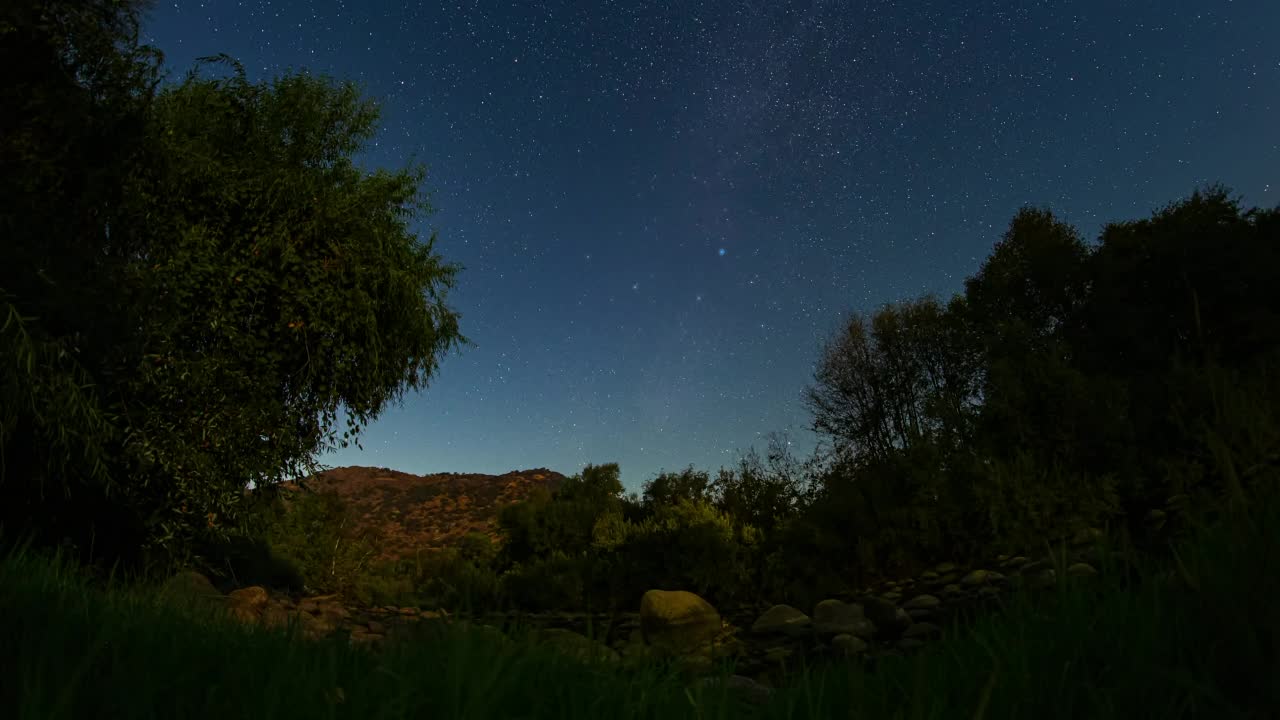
point(194, 276)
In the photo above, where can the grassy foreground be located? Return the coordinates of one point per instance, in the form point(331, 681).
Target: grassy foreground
point(1203, 645)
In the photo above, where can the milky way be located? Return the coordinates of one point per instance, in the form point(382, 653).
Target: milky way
point(664, 209)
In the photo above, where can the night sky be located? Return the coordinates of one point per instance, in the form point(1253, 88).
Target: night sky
point(664, 209)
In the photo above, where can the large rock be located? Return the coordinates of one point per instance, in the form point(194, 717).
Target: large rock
point(677, 620)
point(782, 620)
point(834, 617)
point(190, 587)
point(572, 644)
point(247, 603)
point(888, 618)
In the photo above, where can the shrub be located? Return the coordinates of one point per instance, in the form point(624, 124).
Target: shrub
point(457, 578)
point(689, 545)
point(314, 532)
point(545, 583)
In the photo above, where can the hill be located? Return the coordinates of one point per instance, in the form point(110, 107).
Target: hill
point(416, 512)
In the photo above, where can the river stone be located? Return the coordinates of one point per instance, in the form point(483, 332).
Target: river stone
point(783, 620)
point(847, 645)
point(574, 644)
point(922, 602)
point(886, 616)
point(1081, 569)
point(833, 617)
point(191, 589)
point(677, 619)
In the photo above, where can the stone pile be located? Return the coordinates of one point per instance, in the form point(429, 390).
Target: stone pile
point(894, 618)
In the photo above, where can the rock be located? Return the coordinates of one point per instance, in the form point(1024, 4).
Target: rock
point(1082, 569)
point(783, 620)
point(250, 599)
point(750, 690)
point(847, 645)
point(778, 654)
point(677, 620)
point(944, 568)
point(885, 616)
point(975, 578)
point(833, 617)
point(1042, 579)
point(275, 616)
point(574, 645)
point(190, 589)
point(922, 602)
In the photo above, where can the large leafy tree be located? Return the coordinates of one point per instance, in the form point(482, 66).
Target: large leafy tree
point(1020, 308)
point(764, 491)
point(905, 375)
point(1190, 287)
point(256, 280)
point(667, 488)
point(77, 99)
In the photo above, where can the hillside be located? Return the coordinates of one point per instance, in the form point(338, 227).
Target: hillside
point(414, 512)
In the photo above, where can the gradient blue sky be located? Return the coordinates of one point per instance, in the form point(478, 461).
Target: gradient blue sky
point(664, 209)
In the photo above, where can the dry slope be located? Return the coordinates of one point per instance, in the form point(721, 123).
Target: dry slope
point(414, 512)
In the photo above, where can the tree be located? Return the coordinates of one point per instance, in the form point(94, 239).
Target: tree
point(564, 521)
point(1190, 288)
point(1034, 281)
point(1021, 307)
point(1197, 276)
point(907, 375)
point(670, 488)
point(595, 484)
point(763, 492)
point(256, 280)
point(77, 99)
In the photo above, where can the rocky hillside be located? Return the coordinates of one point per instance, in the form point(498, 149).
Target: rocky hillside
point(414, 512)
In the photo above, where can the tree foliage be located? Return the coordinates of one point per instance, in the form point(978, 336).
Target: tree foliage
point(198, 277)
point(670, 488)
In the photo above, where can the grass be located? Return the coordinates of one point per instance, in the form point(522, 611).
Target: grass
point(1104, 647)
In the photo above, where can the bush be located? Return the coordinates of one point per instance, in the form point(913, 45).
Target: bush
point(457, 578)
point(547, 583)
point(712, 553)
point(314, 532)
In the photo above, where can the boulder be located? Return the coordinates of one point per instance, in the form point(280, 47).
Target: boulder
point(847, 645)
point(190, 589)
point(782, 620)
point(834, 617)
point(677, 620)
point(575, 645)
point(247, 603)
point(888, 618)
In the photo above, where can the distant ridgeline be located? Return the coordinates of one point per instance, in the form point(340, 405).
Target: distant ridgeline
point(410, 513)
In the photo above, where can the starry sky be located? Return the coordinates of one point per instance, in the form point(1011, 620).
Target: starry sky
point(665, 208)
